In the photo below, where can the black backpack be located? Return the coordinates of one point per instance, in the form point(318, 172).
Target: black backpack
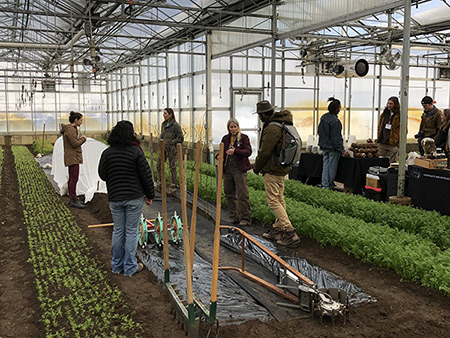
point(291, 144)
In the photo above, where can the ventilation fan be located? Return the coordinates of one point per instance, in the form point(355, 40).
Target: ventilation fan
point(392, 58)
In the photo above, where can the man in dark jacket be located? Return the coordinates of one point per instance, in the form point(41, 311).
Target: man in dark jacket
point(430, 122)
point(331, 142)
point(267, 163)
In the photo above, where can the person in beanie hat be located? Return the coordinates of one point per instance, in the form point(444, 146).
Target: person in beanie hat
point(267, 163)
point(430, 122)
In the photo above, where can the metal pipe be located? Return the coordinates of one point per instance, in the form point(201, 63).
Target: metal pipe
point(22, 45)
point(404, 99)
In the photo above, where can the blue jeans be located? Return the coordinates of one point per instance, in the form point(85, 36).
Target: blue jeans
point(330, 164)
point(126, 216)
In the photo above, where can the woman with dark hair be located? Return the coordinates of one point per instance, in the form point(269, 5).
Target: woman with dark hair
point(172, 134)
point(129, 182)
point(235, 167)
point(444, 135)
point(331, 142)
point(73, 155)
point(389, 130)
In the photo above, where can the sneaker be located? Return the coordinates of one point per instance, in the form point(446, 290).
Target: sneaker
point(172, 190)
point(140, 267)
point(274, 234)
point(76, 204)
point(290, 239)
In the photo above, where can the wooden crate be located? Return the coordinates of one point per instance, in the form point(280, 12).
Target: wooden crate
point(373, 181)
point(431, 164)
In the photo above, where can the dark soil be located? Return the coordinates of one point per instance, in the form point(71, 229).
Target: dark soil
point(403, 309)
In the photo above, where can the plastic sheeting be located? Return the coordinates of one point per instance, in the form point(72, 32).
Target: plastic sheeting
point(321, 277)
point(236, 306)
point(89, 182)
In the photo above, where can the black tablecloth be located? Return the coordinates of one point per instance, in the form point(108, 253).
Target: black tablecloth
point(429, 189)
point(351, 171)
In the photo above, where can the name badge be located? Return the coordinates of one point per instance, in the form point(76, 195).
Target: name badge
point(388, 126)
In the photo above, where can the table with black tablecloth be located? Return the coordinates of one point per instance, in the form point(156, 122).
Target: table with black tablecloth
point(429, 189)
point(351, 171)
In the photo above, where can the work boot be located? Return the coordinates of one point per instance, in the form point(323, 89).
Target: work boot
point(274, 234)
point(244, 223)
point(76, 204)
point(290, 239)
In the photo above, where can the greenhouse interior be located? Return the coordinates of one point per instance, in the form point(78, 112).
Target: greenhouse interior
point(366, 253)
point(210, 61)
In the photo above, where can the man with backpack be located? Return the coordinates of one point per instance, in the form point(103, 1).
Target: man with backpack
point(268, 163)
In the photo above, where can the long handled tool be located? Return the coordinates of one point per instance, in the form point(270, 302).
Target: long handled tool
point(323, 302)
point(194, 203)
point(164, 207)
point(184, 310)
point(215, 267)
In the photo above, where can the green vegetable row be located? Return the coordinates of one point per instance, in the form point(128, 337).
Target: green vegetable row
point(411, 256)
point(76, 298)
point(428, 224)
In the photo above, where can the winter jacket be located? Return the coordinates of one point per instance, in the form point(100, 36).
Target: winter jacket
point(442, 138)
point(330, 133)
point(242, 151)
point(430, 124)
point(72, 145)
point(394, 135)
point(126, 172)
point(171, 133)
point(270, 145)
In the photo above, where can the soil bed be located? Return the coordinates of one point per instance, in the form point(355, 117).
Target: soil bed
point(403, 308)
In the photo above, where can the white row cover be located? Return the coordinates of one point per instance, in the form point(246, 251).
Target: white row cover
point(89, 182)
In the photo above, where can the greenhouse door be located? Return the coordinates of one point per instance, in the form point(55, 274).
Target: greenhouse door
point(244, 107)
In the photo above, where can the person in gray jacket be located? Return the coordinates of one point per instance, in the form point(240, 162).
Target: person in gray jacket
point(331, 142)
point(172, 134)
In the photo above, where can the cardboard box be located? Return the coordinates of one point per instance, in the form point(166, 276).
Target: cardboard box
point(373, 181)
point(431, 164)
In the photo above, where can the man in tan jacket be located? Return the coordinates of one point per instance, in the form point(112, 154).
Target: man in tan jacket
point(267, 163)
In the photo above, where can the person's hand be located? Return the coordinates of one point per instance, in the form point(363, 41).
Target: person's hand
point(85, 137)
point(346, 154)
point(148, 201)
point(230, 151)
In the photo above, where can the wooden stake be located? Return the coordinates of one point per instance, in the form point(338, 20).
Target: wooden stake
point(110, 224)
point(43, 138)
point(155, 177)
point(187, 260)
point(215, 267)
point(194, 202)
point(100, 225)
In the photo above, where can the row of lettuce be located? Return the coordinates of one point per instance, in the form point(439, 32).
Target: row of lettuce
point(415, 243)
point(75, 295)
